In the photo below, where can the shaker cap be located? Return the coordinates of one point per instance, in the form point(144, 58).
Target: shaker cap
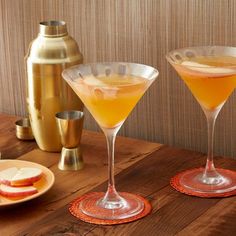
point(52, 28)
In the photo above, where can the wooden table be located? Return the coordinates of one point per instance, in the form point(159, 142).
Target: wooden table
point(141, 167)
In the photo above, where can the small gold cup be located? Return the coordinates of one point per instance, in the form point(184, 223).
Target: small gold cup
point(23, 129)
point(70, 125)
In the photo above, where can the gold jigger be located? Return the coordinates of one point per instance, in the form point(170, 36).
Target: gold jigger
point(70, 125)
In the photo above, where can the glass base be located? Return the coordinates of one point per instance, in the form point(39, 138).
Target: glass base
point(193, 182)
point(128, 206)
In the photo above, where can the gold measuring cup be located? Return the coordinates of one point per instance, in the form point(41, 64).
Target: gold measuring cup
point(70, 125)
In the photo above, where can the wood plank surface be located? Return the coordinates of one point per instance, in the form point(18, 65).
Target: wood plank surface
point(10, 146)
point(70, 184)
point(214, 221)
point(172, 211)
point(141, 167)
point(129, 30)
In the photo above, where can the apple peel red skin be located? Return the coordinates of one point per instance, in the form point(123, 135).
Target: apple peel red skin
point(22, 182)
point(25, 182)
point(18, 194)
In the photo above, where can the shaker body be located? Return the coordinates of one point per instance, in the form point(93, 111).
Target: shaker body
point(48, 92)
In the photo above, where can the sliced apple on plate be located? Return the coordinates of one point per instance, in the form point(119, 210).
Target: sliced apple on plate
point(7, 175)
point(20, 177)
point(17, 192)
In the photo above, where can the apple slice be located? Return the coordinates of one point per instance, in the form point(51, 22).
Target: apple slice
point(7, 175)
point(93, 81)
point(206, 68)
point(20, 177)
point(26, 176)
point(15, 192)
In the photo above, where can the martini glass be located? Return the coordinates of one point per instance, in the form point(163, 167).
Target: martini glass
point(110, 91)
point(210, 74)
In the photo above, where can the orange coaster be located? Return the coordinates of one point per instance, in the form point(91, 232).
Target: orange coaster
point(175, 183)
point(75, 211)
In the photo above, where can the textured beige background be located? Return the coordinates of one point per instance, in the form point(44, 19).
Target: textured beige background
point(129, 30)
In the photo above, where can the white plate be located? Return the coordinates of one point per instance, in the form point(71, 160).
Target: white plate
point(43, 185)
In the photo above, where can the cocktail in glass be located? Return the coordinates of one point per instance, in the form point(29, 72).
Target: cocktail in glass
point(110, 91)
point(210, 74)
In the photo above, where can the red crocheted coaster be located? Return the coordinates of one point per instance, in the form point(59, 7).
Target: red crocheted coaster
point(75, 211)
point(175, 183)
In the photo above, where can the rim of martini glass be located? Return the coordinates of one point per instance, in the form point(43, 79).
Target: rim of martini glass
point(176, 61)
point(66, 72)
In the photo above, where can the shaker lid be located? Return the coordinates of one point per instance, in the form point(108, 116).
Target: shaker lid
point(52, 28)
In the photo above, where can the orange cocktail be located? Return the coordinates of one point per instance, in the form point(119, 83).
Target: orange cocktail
point(110, 99)
point(210, 79)
point(110, 90)
point(210, 74)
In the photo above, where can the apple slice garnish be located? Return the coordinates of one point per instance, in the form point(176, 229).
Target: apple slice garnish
point(206, 69)
point(20, 177)
point(7, 175)
point(17, 192)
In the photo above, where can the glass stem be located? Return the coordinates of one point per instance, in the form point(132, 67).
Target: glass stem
point(210, 174)
point(111, 200)
point(111, 137)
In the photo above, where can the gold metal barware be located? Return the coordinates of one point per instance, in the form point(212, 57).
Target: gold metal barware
point(49, 54)
point(70, 125)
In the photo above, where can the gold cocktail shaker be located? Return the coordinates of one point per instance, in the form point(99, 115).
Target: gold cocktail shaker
point(48, 55)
